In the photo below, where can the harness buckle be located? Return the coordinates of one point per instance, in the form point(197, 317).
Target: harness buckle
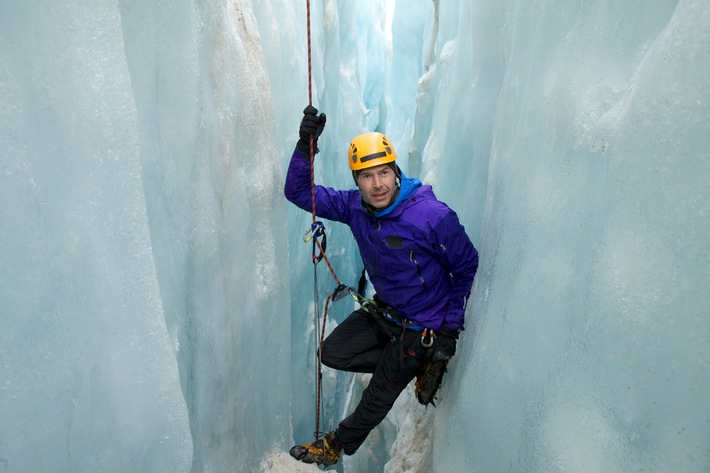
point(369, 307)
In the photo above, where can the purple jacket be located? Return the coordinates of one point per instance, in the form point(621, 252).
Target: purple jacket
point(416, 253)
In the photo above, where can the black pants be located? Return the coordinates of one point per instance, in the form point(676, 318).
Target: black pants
point(363, 345)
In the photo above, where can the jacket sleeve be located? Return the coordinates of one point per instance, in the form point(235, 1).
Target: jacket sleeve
point(330, 203)
point(458, 255)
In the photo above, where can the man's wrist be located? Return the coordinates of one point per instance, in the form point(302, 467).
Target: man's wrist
point(450, 332)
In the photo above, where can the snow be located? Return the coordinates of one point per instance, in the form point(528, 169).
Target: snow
point(158, 301)
point(281, 461)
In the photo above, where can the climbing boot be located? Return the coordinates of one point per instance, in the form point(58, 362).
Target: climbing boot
point(428, 381)
point(324, 451)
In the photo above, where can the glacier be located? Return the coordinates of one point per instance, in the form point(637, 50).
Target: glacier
point(158, 299)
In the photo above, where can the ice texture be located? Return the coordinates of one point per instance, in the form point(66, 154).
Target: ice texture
point(159, 303)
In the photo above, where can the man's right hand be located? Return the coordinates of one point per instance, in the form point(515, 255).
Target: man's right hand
point(312, 124)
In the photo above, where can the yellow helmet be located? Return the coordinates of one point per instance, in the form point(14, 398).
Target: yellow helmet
point(369, 150)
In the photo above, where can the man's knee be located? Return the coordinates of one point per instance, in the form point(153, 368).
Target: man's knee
point(329, 355)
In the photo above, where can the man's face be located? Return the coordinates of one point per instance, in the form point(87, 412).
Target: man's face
point(377, 185)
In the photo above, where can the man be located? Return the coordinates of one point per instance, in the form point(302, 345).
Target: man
point(420, 262)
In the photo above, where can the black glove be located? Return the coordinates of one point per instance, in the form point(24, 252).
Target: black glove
point(445, 345)
point(311, 124)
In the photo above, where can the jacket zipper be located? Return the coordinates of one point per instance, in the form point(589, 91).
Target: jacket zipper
point(413, 259)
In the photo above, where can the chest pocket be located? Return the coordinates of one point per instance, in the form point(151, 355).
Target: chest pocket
point(394, 242)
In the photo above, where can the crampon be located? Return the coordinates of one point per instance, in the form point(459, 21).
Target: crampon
point(428, 382)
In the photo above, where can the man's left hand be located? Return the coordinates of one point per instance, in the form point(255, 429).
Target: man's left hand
point(445, 345)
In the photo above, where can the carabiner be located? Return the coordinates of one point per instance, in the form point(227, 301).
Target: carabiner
point(317, 229)
point(427, 339)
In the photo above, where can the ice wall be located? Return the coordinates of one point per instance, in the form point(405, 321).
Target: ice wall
point(88, 378)
point(213, 188)
point(144, 272)
point(588, 349)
